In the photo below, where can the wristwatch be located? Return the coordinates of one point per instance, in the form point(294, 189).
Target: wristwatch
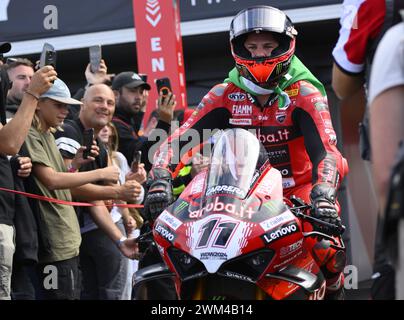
point(120, 241)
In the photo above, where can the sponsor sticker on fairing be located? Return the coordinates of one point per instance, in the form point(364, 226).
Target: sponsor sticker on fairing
point(274, 222)
point(238, 276)
point(213, 256)
point(227, 189)
point(219, 206)
point(284, 251)
point(164, 232)
point(170, 220)
point(279, 233)
point(197, 185)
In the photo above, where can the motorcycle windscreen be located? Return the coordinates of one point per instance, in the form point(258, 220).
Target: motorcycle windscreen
point(233, 163)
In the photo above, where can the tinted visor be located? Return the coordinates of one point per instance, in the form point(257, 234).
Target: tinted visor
point(263, 18)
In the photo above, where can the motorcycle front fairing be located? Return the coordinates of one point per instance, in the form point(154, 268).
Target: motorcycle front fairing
point(231, 221)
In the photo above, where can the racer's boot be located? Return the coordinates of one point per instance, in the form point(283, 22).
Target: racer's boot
point(332, 262)
point(335, 286)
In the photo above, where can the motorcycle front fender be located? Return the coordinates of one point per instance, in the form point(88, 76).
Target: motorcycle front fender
point(146, 275)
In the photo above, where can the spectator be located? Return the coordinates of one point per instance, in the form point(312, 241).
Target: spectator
point(130, 92)
point(363, 23)
point(386, 96)
point(101, 260)
point(131, 217)
point(99, 77)
point(58, 223)
point(12, 136)
point(20, 72)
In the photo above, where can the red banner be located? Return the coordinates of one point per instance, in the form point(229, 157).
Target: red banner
point(159, 47)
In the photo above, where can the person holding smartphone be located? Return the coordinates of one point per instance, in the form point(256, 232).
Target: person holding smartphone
point(12, 136)
point(101, 259)
point(131, 217)
point(131, 99)
point(58, 223)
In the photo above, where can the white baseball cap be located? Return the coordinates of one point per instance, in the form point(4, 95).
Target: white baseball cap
point(60, 92)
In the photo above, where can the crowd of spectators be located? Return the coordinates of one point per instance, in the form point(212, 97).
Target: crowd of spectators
point(42, 151)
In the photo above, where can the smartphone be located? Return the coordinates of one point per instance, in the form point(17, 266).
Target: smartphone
point(88, 137)
point(137, 155)
point(163, 86)
point(48, 56)
point(95, 58)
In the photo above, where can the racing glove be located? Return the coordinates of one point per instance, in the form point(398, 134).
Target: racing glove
point(160, 193)
point(323, 198)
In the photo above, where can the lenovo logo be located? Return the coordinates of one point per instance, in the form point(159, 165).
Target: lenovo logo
point(275, 235)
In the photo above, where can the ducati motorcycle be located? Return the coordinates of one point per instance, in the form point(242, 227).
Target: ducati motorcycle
point(230, 235)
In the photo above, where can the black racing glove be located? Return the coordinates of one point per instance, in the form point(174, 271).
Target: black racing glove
point(323, 198)
point(160, 193)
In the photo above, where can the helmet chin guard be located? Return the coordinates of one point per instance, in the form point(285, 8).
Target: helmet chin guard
point(263, 71)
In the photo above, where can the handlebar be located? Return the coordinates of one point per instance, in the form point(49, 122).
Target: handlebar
point(302, 207)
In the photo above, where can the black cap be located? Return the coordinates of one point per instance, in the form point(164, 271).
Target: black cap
point(128, 79)
point(5, 47)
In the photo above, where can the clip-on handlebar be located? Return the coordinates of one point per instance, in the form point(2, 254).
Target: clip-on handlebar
point(299, 206)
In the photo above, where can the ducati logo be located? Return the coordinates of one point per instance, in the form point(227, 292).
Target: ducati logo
point(281, 118)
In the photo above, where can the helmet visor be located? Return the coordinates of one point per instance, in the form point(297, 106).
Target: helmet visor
point(260, 18)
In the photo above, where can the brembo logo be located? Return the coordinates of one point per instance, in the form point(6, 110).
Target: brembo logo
point(170, 220)
point(274, 222)
point(275, 235)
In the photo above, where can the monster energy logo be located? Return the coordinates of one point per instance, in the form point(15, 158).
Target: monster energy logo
point(274, 206)
point(278, 68)
point(181, 206)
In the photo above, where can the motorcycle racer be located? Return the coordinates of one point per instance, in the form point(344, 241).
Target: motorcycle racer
point(271, 92)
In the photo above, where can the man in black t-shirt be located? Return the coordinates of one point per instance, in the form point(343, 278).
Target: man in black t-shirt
point(12, 136)
point(102, 263)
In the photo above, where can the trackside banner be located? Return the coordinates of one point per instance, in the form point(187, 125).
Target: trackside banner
point(27, 20)
point(159, 47)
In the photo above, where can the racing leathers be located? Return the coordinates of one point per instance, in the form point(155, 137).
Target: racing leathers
point(300, 142)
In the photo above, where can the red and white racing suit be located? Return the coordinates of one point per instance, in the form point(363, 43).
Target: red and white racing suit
point(361, 23)
point(300, 140)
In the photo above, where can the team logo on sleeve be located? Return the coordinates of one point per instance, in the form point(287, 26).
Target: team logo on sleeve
point(237, 96)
